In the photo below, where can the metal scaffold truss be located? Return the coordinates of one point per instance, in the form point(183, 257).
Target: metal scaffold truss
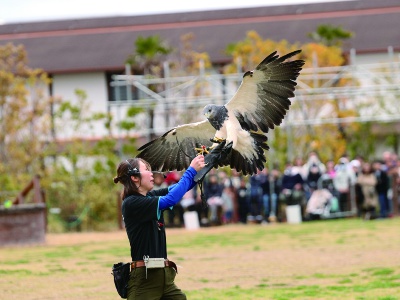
point(367, 92)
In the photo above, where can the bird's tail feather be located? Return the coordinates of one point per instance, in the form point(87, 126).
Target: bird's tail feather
point(245, 165)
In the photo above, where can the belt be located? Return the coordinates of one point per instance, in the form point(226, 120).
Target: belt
point(141, 264)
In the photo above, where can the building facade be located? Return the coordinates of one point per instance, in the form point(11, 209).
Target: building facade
point(85, 54)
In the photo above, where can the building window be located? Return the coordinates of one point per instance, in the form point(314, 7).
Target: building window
point(120, 90)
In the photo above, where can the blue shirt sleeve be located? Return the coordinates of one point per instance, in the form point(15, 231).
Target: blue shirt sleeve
point(171, 187)
point(176, 191)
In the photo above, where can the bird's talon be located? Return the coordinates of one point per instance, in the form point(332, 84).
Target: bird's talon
point(217, 140)
point(200, 151)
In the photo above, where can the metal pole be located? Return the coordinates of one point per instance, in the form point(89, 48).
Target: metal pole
point(128, 82)
point(289, 132)
point(315, 68)
point(352, 56)
point(167, 75)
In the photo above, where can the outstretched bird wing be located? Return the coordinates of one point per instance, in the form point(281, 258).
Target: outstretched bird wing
point(259, 104)
point(175, 149)
point(262, 99)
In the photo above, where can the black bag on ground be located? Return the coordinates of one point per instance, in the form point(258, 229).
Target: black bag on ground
point(121, 272)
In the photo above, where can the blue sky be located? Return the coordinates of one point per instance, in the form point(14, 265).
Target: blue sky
point(15, 11)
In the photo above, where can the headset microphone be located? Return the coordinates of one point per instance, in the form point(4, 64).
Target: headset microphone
point(135, 172)
point(131, 170)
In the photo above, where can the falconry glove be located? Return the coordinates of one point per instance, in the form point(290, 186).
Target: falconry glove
point(212, 159)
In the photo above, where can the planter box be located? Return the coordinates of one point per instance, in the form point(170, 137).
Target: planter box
point(23, 224)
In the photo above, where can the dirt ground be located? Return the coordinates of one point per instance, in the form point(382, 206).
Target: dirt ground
point(77, 265)
point(304, 261)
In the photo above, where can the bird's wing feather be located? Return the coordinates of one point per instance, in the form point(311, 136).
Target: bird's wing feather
point(262, 99)
point(175, 149)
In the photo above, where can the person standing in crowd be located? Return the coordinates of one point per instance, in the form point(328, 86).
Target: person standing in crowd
point(343, 181)
point(396, 188)
point(270, 191)
point(142, 210)
point(355, 164)
point(357, 168)
point(255, 198)
point(390, 161)
point(312, 170)
point(243, 201)
point(213, 191)
point(382, 187)
point(330, 168)
point(292, 192)
point(367, 182)
point(298, 166)
point(236, 179)
point(189, 203)
point(228, 200)
point(177, 210)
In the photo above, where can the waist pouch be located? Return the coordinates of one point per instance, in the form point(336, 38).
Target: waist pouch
point(120, 272)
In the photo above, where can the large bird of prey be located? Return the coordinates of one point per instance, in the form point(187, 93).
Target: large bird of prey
point(260, 104)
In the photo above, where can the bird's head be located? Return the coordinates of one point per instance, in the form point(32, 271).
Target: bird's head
point(216, 114)
point(211, 111)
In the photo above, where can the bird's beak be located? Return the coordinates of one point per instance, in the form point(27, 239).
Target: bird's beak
point(207, 114)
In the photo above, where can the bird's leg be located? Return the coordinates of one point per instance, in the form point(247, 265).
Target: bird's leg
point(217, 155)
point(206, 150)
point(217, 140)
point(203, 149)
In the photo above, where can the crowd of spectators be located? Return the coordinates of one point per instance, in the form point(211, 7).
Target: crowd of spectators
point(347, 187)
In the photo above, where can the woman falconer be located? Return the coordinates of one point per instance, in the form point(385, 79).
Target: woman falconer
point(152, 274)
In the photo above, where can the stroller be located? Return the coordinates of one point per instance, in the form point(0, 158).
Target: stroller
point(322, 201)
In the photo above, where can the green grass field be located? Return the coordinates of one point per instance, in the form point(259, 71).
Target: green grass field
point(336, 259)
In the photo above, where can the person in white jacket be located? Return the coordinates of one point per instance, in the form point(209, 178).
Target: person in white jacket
point(343, 181)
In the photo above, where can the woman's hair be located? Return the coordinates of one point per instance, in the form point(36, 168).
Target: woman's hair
point(125, 170)
point(366, 168)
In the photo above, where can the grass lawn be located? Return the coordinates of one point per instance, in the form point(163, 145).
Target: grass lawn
point(336, 259)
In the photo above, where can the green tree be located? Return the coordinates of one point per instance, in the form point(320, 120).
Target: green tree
point(128, 148)
point(330, 35)
point(80, 179)
point(362, 142)
point(148, 54)
point(49, 137)
point(24, 118)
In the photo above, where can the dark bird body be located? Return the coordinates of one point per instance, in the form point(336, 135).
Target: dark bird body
point(260, 104)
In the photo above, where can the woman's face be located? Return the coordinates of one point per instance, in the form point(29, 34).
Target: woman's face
point(330, 165)
point(146, 183)
point(366, 168)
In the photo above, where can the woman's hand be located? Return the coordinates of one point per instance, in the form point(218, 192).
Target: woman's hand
point(198, 163)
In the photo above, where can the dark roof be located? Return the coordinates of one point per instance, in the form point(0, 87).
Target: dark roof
point(104, 43)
